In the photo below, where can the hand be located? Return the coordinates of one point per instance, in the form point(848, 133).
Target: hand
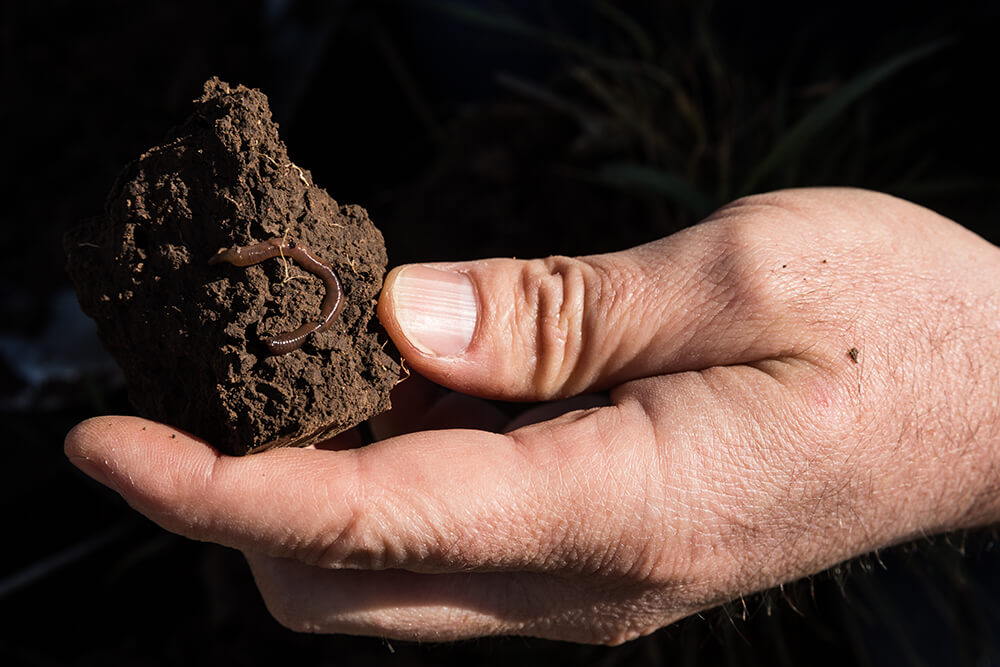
point(806, 376)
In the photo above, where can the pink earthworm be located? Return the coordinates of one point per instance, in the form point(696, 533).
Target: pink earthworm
point(333, 302)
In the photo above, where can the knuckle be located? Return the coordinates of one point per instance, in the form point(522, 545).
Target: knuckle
point(354, 537)
point(784, 257)
point(770, 248)
point(743, 277)
point(574, 310)
point(554, 289)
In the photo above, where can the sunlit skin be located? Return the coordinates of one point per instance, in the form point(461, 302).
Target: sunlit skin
point(804, 377)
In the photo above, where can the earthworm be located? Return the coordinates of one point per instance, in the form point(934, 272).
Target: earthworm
point(333, 302)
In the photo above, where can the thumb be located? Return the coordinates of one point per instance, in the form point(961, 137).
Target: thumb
point(547, 328)
point(500, 328)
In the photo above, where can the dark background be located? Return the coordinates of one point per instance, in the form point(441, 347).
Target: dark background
point(467, 130)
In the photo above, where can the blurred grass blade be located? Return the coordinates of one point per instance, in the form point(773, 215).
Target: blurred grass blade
point(628, 25)
point(799, 136)
point(491, 20)
point(618, 104)
point(587, 120)
point(50, 565)
point(639, 177)
point(505, 21)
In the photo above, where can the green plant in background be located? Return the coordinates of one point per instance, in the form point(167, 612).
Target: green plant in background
point(674, 118)
point(796, 140)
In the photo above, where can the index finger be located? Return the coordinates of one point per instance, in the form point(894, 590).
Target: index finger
point(429, 502)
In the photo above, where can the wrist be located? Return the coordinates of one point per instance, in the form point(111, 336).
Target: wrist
point(960, 423)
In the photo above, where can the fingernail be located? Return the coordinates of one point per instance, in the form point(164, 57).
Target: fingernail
point(435, 309)
point(94, 471)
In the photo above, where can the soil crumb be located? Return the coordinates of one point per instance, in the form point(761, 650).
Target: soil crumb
point(188, 335)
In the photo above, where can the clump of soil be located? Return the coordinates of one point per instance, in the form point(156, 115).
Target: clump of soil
point(188, 335)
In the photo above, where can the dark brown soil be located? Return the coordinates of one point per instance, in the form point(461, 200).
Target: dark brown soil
point(188, 335)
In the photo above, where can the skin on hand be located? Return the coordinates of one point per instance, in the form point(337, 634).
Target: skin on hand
point(740, 443)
